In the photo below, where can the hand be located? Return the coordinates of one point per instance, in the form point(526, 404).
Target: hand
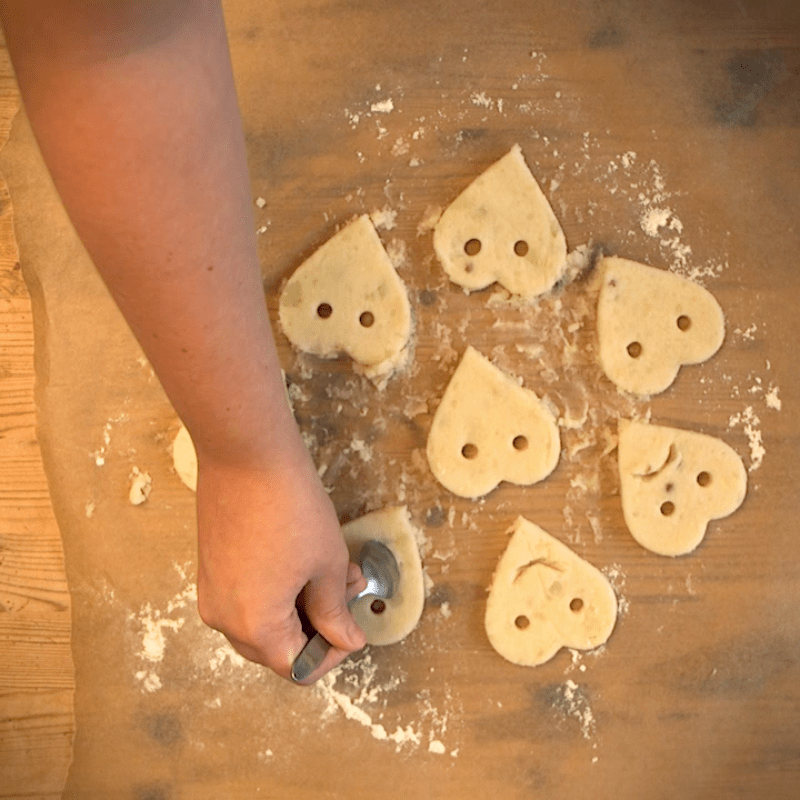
point(266, 535)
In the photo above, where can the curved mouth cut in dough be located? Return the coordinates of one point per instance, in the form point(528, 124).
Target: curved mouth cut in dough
point(650, 322)
point(544, 597)
point(347, 298)
point(489, 429)
point(673, 483)
point(502, 229)
point(390, 620)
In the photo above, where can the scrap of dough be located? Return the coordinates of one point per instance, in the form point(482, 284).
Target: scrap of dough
point(673, 483)
point(347, 298)
point(544, 597)
point(650, 322)
point(505, 214)
point(402, 612)
point(489, 429)
point(184, 458)
point(141, 485)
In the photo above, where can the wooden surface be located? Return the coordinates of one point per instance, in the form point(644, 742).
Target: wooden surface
point(684, 113)
point(36, 676)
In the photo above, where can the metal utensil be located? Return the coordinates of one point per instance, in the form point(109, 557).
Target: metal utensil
point(379, 567)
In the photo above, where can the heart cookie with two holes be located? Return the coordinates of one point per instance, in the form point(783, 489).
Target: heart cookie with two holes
point(650, 322)
point(347, 298)
point(502, 229)
point(488, 429)
point(544, 597)
point(673, 483)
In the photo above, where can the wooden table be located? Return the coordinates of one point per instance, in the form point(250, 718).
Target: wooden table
point(666, 133)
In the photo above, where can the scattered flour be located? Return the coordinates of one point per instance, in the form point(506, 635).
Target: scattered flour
point(751, 424)
point(571, 701)
point(352, 689)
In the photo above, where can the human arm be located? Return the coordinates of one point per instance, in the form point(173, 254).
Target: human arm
point(134, 108)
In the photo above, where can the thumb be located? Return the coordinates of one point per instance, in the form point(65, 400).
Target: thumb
point(326, 608)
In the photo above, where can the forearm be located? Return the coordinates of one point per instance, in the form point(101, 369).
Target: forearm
point(140, 129)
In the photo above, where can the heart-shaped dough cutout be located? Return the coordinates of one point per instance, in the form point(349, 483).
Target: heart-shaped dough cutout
point(673, 483)
point(650, 322)
point(390, 620)
point(489, 429)
point(501, 228)
point(347, 298)
point(545, 597)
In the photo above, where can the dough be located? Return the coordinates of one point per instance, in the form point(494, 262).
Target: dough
point(544, 597)
point(489, 429)
point(347, 298)
point(501, 228)
point(184, 458)
point(402, 612)
point(673, 482)
point(650, 322)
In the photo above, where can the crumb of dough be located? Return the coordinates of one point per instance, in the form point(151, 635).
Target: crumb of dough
point(141, 485)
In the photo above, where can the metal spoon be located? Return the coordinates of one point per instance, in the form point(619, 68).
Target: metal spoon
point(379, 567)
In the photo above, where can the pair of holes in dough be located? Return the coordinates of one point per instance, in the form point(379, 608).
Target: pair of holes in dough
point(635, 348)
point(668, 508)
point(470, 451)
point(325, 310)
point(473, 247)
point(575, 605)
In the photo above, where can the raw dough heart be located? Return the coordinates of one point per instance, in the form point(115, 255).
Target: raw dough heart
point(489, 429)
point(650, 322)
point(400, 613)
point(347, 298)
point(184, 458)
point(673, 482)
point(501, 228)
point(544, 597)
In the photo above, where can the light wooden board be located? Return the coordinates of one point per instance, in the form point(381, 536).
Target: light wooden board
point(622, 112)
point(36, 677)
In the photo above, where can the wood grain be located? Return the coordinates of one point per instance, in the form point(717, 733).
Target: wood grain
point(37, 719)
point(697, 693)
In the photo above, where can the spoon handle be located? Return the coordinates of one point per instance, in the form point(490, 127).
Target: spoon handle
point(310, 657)
point(316, 648)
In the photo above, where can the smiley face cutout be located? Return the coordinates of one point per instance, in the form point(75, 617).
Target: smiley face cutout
point(673, 483)
point(502, 229)
point(488, 429)
point(347, 298)
point(650, 322)
point(544, 597)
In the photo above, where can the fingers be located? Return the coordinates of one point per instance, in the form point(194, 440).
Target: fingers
point(326, 607)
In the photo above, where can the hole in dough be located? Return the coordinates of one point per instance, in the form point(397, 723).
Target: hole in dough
point(377, 606)
point(668, 508)
point(472, 247)
point(522, 622)
point(576, 604)
point(367, 319)
point(704, 478)
point(469, 451)
point(521, 248)
point(324, 310)
point(520, 443)
point(634, 349)
point(684, 323)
